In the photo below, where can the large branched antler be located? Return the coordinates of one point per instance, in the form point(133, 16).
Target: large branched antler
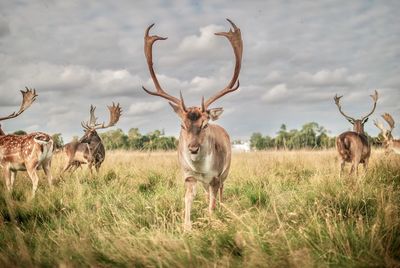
point(235, 38)
point(389, 119)
point(375, 98)
point(337, 102)
point(115, 113)
point(28, 97)
point(148, 51)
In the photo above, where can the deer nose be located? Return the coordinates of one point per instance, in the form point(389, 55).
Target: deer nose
point(194, 149)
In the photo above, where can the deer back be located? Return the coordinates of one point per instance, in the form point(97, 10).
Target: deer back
point(18, 151)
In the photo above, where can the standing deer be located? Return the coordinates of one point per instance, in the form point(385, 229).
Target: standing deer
point(25, 152)
point(388, 141)
point(353, 146)
point(204, 149)
point(90, 149)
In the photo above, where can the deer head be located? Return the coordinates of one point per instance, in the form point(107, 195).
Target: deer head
point(28, 97)
point(91, 126)
point(358, 124)
point(194, 120)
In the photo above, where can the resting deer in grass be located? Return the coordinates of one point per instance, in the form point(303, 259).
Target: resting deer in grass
point(353, 146)
point(388, 141)
point(90, 149)
point(204, 149)
point(25, 152)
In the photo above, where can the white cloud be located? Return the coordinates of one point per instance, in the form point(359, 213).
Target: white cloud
point(206, 41)
point(296, 54)
point(277, 93)
point(336, 77)
point(146, 108)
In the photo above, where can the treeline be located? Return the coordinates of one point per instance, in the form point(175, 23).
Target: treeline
point(310, 136)
point(134, 140)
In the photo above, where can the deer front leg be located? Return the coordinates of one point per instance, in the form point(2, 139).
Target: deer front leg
point(213, 191)
point(7, 178)
point(221, 189)
point(365, 164)
point(190, 185)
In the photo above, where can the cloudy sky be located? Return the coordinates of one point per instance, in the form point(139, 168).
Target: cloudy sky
point(297, 55)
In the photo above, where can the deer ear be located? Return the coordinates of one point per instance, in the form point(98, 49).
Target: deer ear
point(215, 113)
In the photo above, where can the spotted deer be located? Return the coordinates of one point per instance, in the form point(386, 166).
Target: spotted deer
point(204, 149)
point(90, 149)
point(353, 146)
point(28, 152)
point(389, 142)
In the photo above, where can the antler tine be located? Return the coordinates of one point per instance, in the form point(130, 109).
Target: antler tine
point(337, 102)
point(115, 113)
point(235, 38)
point(375, 99)
point(85, 125)
point(148, 51)
point(379, 125)
point(28, 97)
point(93, 118)
point(389, 119)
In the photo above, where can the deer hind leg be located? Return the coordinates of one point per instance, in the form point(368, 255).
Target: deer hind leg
point(342, 164)
point(34, 178)
point(46, 168)
point(365, 164)
point(67, 167)
point(190, 185)
point(12, 179)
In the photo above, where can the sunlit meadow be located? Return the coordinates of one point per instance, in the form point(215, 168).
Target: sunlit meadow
point(280, 209)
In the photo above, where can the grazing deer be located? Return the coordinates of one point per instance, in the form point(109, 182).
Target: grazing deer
point(25, 152)
point(204, 149)
point(353, 146)
point(90, 149)
point(388, 141)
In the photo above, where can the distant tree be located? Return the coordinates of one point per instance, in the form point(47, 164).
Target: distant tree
point(282, 137)
point(19, 132)
point(58, 140)
point(114, 139)
point(257, 141)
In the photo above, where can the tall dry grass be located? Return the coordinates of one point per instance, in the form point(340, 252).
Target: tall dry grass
point(280, 209)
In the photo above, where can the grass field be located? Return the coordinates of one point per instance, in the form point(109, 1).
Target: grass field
point(281, 209)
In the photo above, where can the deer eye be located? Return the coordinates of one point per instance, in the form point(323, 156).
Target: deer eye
point(205, 125)
point(183, 127)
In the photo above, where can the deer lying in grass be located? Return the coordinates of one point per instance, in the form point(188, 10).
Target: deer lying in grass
point(353, 146)
point(25, 152)
point(204, 149)
point(90, 149)
point(388, 141)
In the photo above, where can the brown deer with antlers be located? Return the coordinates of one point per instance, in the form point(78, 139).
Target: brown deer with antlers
point(90, 149)
point(25, 152)
point(204, 149)
point(388, 141)
point(353, 146)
